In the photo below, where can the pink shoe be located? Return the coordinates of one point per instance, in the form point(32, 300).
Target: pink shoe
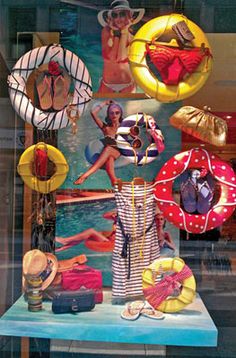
point(44, 90)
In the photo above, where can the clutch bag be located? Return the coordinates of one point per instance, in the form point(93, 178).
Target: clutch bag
point(201, 124)
point(73, 301)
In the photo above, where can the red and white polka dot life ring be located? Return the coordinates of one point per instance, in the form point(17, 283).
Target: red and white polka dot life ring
point(220, 170)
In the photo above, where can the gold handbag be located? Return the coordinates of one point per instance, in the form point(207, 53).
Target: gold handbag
point(201, 124)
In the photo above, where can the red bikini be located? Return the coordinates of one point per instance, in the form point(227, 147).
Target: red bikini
point(173, 63)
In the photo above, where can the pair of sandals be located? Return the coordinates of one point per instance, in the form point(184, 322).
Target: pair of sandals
point(53, 91)
point(133, 310)
point(198, 197)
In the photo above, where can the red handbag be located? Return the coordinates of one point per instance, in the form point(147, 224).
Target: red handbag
point(83, 276)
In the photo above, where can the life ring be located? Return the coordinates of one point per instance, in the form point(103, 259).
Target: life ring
point(27, 64)
point(127, 139)
point(25, 167)
point(94, 149)
point(150, 84)
point(219, 169)
point(181, 277)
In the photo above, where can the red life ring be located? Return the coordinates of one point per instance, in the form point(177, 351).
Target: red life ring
point(220, 170)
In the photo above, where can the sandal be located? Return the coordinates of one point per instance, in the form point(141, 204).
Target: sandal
point(61, 86)
point(44, 90)
point(132, 310)
point(149, 312)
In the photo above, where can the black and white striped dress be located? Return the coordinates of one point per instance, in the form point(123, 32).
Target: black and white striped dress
point(136, 211)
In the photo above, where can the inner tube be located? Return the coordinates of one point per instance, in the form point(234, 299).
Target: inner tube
point(130, 143)
point(151, 32)
point(33, 60)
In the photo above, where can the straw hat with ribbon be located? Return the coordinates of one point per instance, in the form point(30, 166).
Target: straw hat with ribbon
point(104, 15)
point(39, 264)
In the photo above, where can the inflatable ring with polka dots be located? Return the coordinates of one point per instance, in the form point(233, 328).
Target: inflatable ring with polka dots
point(219, 169)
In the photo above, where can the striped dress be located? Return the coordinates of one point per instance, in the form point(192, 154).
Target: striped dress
point(136, 244)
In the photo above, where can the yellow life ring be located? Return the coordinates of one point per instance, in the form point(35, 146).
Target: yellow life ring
point(188, 285)
point(25, 168)
point(151, 31)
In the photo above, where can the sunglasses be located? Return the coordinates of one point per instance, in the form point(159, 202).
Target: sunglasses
point(115, 112)
point(121, 14)
point(137, 142)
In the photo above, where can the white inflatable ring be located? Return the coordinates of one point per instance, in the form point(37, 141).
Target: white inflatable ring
point(220, 170)
point(124, 143)
point(31, 61)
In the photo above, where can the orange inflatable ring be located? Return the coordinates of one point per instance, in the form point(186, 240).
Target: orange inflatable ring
point(159, 294)
point(220, 170)
point(152, 31)
point(101, 246)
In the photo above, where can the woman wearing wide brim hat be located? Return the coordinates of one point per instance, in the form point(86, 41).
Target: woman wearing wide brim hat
point(116, 38)
point(39, 264)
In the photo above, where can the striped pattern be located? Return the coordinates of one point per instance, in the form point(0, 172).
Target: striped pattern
point(133, 219)
point(123, 140)
point(31, 61)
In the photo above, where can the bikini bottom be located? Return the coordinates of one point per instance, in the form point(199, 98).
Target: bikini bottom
point(117, 87)
point(174, 63)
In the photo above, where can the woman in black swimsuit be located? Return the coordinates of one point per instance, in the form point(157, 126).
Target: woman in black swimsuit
point(110, 152)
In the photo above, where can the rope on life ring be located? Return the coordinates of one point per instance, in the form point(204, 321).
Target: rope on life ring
point(196, 158)
point(32, 60)
point(151, 85)
point(159, 294)
point(26, 165)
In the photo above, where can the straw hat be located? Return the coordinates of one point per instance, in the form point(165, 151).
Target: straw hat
point(137, 14)
point(37, 263)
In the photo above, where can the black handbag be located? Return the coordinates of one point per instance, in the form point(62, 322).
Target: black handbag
point(73, 301)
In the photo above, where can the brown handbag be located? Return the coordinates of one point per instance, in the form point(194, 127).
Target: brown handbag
point(183, 32)
point(201, 124)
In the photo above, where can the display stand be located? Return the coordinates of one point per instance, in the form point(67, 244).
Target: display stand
point(192, 326)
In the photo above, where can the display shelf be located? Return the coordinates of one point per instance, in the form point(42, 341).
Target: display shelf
point(192, 326)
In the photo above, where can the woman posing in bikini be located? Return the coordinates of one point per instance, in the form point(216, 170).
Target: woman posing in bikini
point(116, 38)
point(110, 152)
point(99, 236)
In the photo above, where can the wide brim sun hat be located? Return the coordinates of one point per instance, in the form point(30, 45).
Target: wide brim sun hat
point(103, 15)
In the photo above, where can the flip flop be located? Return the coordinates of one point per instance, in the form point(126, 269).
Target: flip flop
point(132, 310)
point(149, 312)
point(188, 196)
point(44, 90)
point(61, 86)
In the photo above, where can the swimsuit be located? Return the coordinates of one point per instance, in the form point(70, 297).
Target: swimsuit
point(173, 63)
point(117, 87)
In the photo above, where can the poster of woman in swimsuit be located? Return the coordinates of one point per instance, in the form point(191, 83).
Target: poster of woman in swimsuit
point(103, 42)
point(86, 208)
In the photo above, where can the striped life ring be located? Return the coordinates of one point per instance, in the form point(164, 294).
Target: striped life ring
point(25, 168)
point(151, 85)
point(126, 139)
point(181, 277)
point(219, 169)
point(27, 64)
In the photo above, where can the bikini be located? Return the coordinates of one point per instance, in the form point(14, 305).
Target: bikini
point(117, 87)
point(174, 63)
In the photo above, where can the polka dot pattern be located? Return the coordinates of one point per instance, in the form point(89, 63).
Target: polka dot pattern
point(174, 167)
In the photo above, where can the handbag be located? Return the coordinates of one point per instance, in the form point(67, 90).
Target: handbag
point(73, 301)
point(183, 32)
point(201, 124)
point(83, 276)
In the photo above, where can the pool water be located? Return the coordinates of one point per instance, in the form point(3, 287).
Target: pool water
point(73, 219)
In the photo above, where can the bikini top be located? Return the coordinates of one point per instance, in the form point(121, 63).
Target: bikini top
point(174, 63)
